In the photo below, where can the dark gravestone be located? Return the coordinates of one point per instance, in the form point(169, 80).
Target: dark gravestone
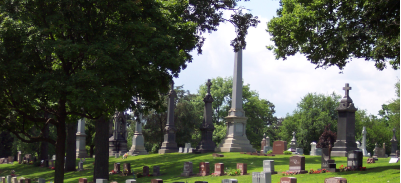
point(10, 159)
point(156, 181)
point(117, 167)
point(279, 147)
point(335, 180)
point(46, 163)
point(394, 144)
point(83, 180)
point(328, 163)
point(297, 164)
point(354, 159)
point(156, 170)
point(145, 171)
point(345, 126)
point(219, 169)
point(27, 180)
point(127, 168)
point(21, 180)
point(288, 180)
point(204, 168)
point(242, 167)
point(206, 144)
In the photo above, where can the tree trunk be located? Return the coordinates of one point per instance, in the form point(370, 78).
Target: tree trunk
point(60, 150)
point(101, 167)
point(91, 150)
point(44, 146)
point(71, 158)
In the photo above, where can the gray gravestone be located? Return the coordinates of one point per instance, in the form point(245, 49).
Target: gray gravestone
point(345, 126)
point(268, 166)
point(130, 181)
point(313, 149)
point(354, 159)
point(318, 151)
point(293, 143)
point(80, 166)
point(255, 177)
point(206, 144)
point(8, 178)
point(118, 139)
point(229, 181)
point(327, 163)
point(101, 180)
point(394, 144)
point(188, 169)
point(265, 177)
point(380, 152)
point(267, 147)
point(156, 170)
point(40, 180)
point(169, 145)
point(299, 151)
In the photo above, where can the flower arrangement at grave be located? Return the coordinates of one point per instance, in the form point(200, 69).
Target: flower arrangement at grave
point(112, 172)
point(25, 161)
point(53, 168)
point(125, 156)
point(139, 175)
point(214, 174)
point(318, 171)
point(289, 173)
point(362, 168)
point(12, 173)
point(233, 172)
point(342, 168)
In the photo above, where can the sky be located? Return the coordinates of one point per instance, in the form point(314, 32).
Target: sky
point(285, 83)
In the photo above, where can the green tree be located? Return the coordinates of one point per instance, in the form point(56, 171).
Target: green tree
point(333, 32)
point(309, 119)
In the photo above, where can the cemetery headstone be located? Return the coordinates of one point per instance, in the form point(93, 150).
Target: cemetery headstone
point(299, 151)
point(335, 180)
point(318, 151)
point(80, 166)
point(181, 150)
point(11, 159)
point(188, 169)
point(127, 168)
point(354, 159)
point(130, 181)
point(229, 181)
point(156, 181)
point(313, 149)
point(101, 180)
point(268, 166)
point(51, 163)
point(363, 144)
point(2, 160)
point(297, 164)
point(345, 126)
point(14, 180)
point(40, 180)
point(263, 144)
point(219, 169)
point(328, 163)
point(21, 180)
point(27, 180)
point(83, 180)
point(118, 135)
point(394, 144)
point(204, 168)
point(380, 152)
point(265, 177)
point(117, 167)
point(293, 143)
point(145, 171)
point(288, 180)
point(156, 170)
point(54, 157)
point(138, 142)
point(19, 158)
point(242, 167)
point(279, 147)
point(8, 178)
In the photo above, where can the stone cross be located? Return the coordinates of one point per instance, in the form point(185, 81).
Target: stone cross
point(347, 89)
point(208, 84)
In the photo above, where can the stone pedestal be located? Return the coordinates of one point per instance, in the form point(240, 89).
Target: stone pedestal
point(169, 145)
point(81, 140)
point(394, 144)
point(345, 126)
point(236, 140)
point(293, 143)
point(138, 142)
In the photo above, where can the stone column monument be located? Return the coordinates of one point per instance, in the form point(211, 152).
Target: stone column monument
point(236, 140)
point(138, 143)
point(81, 140)
point(293, 143)
point(345, 126)
point(363, 145)
point(118, 142)
point(206, 144)
point(394, 143)
point(263, 143)
point(169, 145)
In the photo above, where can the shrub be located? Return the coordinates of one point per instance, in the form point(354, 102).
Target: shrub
point(327, 137)
point(269, 152)
point(287, 152)
point(233, 172)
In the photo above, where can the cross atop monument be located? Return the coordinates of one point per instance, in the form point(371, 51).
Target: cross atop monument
point(208, 84)
point(347, 89)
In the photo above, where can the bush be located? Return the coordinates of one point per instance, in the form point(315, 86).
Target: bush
point(233, 172)
point(269, 152)
point(327, 137)
point(287, 152)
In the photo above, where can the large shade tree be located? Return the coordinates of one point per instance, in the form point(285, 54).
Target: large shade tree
point(60, 57)
point(331, 32)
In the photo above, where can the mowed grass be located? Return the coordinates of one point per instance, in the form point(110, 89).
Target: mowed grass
point(171, 167)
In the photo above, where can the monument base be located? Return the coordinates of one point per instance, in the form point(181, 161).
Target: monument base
point(168, 147)
point(341, 148)
point(137, 147)
point(164, 151)
point(235, 140)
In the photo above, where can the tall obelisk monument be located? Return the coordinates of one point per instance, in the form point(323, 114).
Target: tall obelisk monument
point(236, 140)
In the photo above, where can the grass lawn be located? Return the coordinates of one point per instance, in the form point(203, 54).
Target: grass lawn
point(171, 167)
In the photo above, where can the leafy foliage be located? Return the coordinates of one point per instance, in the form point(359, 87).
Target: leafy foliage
point(328, 137)
point(333, 32)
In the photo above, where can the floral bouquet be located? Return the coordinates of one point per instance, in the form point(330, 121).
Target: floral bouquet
point(12, 173)
point(112, 172)
point(53, 168)
point(125, 156)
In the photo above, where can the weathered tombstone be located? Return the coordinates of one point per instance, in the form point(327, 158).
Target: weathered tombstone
point(268, 166)
point(236, 140)
point(293, 143)
point(288, 180)
point(394, 144)
point(127, 168)
point(265, 177)
point(101, 180)
point(130, 181)
point(21, 180)
point(312, 149)
point(11, 159)
point(380, 152)
point(279, 147)
point(229, 181)
point(40, 180)
point(14, 180)
point(297, 164)
point(156, 181)
point(145, 171)
point(117, 167)
point(354, 159)
point(83, 180)
point(8, 178)
point(328, 163)
point(187, 147)
point(19, 158)
point(335, 180)
point(181, 150)
point(156, 170)
point(169, 145)
point(242, 167)
point(187, 169)
point(345, 126)
point(204, 168)
point(363, 144)
point(27, 180)
point(219, 169)
point(80, 166)
point(54, 157)
point(255, 177)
